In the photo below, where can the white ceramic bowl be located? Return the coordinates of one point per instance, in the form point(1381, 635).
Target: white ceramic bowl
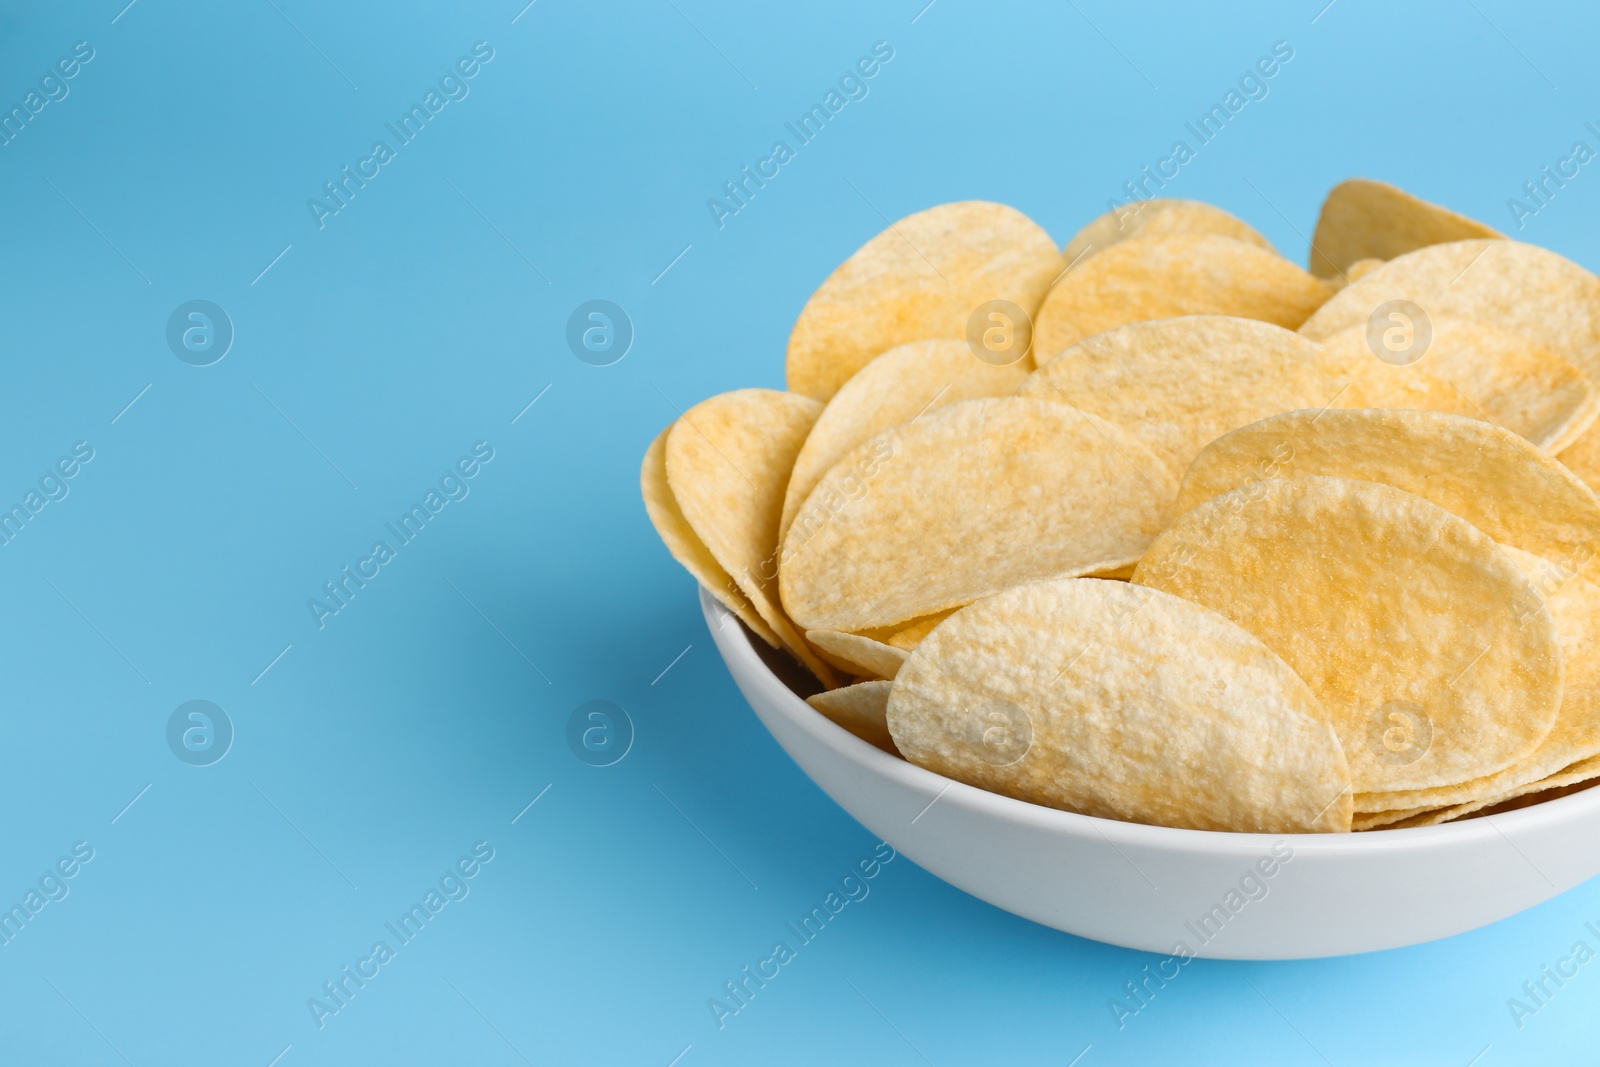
point(1219, 895)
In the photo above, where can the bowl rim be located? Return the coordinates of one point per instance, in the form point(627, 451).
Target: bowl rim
point(734, 643)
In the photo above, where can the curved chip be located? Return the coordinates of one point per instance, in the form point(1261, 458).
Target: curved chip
point(1178, 384)
point(728, 461)
point(685, 546)
point(1565, 782)
point(1575, 736)
point(1489, 476)
point(1156, 217)
point(907, 635)
point(1434, 658)
point(1364, 219)
point(1163, 276)
point(1582, 457)
point(1470, 368)
point(966, 501)
point(1360, 269)
point(1121, 702)
point(858, 654)
point(861, 709)
point(1519, 288)
point(922, 277)
point(896, 387)
point(1380, 820)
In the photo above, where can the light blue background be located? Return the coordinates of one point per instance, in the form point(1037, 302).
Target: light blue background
point(380, 348)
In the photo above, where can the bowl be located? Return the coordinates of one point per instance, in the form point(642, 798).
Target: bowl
point(1176, 892)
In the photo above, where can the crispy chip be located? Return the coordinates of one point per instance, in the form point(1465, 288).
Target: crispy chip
point(909, 634)
point(1575, 605)
point(894, 388)
point(1164, 276)
point(1377, 820)
point(1363, 219)
point(728, 461)
point(1360, 269)
point(967, 501)
point(1157, 217)
point(1178, 384)
point(858, 654)
point(1519, 288)
point(1433, 656)
point(921, 278)
point(1471, 368)
point(685, 546)
point(1582, 457)
point(1121, 702)
point(859, 708)
point(1489, 476)
point(1573, 779)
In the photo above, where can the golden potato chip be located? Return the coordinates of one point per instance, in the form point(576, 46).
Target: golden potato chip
point(1470, 368)
point(907, 635)
point(1378, 820)
point(1579, 776)
point(728, 461)
point(923, 277)
point(1372, 383)
point(858, 654)
point(1164, 276)
point(964, 502)
point(1363, 219)
point(1433, 656)
point(1519, 288)
point(1489, 476)
point(859, 708)
point(1178, 384)
point(1156, 217)
point(1121, 702)
point(1360, 269)
point(1582, 457)
point(1575, 736)
point(685, 546)
point(894, 388)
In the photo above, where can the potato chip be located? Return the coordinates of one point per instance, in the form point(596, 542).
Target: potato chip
point(1164, 276)
point(728, 461)
point(1377, 820)
point(1471, 368)
point(1121, 702)
point(1575, 736)
point(1487, 475)
point(859, 708)
point(907, 635)
point(1364, 219)
point(685, 546)
point(1157, 217)
point(1434, 657)
point(1178, 384)
point(1579, 776)
point(1582, 457)
point(895, 387)
point(966, 501)
point(923, 277)
point(1360, 269)
point(1519, 288)
point(1372, 383)
point(858, 654)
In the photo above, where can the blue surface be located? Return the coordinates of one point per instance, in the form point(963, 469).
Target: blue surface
point(372, 352)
